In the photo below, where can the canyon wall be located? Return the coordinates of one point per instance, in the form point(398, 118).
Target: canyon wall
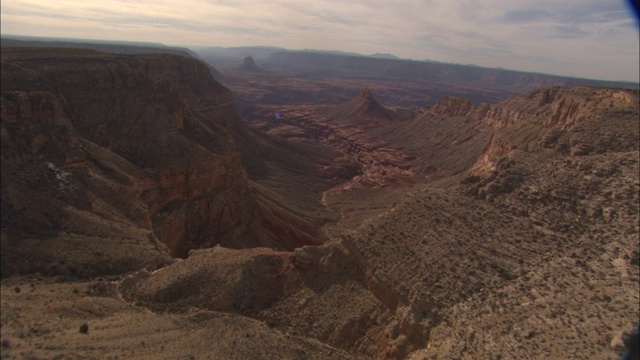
point(144, 142)
point(558, 118)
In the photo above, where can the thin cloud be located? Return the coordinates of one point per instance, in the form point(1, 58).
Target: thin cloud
point(522, 16)
point(568, 32)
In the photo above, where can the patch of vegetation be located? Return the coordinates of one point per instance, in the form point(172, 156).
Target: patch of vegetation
point(471, 179)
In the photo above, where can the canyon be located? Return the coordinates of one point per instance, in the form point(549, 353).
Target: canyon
point(178, 217)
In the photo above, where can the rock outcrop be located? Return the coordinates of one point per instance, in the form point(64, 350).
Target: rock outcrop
point(452, 106)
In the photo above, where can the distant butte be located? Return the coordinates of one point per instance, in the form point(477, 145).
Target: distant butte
point(248, 64)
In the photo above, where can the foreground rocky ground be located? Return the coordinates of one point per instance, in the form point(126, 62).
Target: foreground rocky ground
point(42, 320)
point(465, 231)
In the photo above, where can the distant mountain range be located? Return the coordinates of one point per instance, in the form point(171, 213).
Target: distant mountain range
point(437, 79)
point(330, 63)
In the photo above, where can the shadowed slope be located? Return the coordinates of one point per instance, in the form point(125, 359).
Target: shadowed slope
point(148, 138)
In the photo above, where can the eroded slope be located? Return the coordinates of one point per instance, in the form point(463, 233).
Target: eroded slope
point(510, 231)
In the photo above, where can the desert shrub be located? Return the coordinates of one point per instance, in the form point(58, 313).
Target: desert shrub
point(472, 179)
point(84, 329)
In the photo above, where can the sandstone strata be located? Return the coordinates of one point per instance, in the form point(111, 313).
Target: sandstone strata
point(84, 114)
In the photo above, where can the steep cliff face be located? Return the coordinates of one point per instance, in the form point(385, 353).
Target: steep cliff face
point(576, 121)
point(34, 125)
point(550, 107)
point(559, 118)
point(60, 213)
point(452, 106)
point(554, 107)
point(154, 126)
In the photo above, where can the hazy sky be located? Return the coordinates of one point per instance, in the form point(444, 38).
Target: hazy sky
point(583, 38)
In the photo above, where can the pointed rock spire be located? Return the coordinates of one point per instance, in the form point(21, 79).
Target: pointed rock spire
point(366, 94)
point(363, 110)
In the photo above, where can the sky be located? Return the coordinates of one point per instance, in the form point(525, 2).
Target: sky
point(581, 38)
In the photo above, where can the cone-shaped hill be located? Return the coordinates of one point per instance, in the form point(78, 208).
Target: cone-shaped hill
point(249, 65)
point(363, 111)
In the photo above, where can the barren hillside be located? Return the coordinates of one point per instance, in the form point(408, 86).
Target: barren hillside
point(143, 219)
